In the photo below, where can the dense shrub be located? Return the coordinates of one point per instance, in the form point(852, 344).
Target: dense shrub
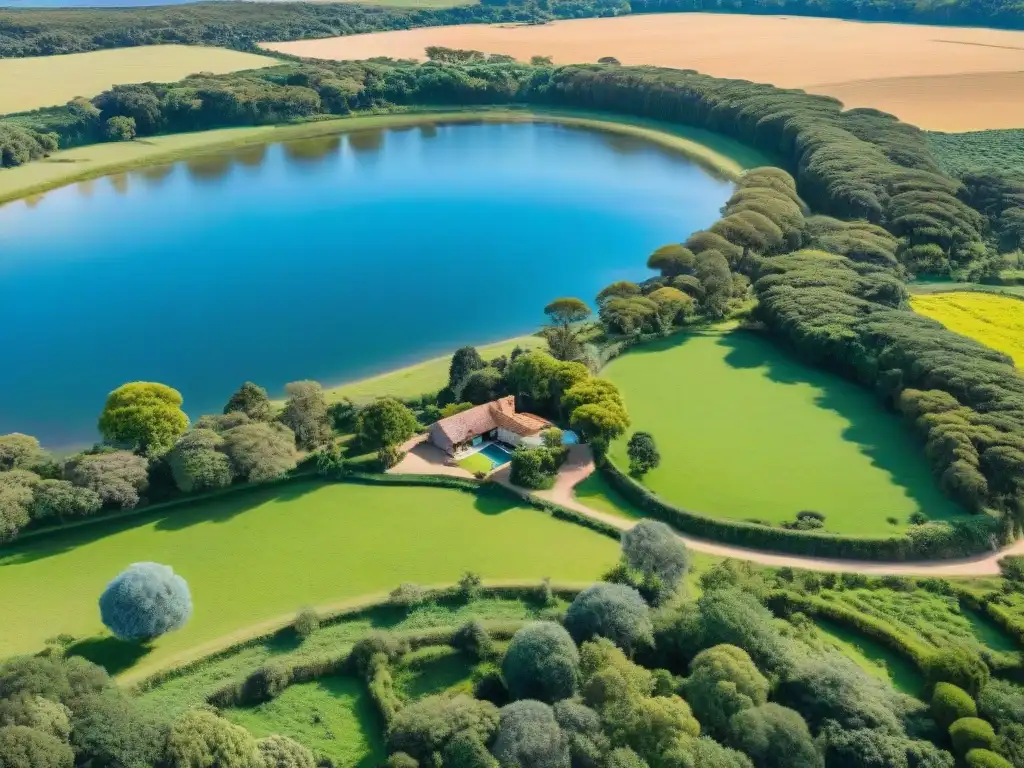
point(200, 739)
point(614, 611)
point(1001, 702)
point(145, 601)
point(392, 646)
point(961, 667)
point(472, 639)
point(423, 729)
point(529, 736)
point(1010, 743)
point(24, 747)
point(588, 744)
point(950, 703)
point(282, 752)
point(306, 623)
point(984, 758)
point(970, 733)
point(723, 681)
point(654, 549)
point(542, 663)
point(774, 737)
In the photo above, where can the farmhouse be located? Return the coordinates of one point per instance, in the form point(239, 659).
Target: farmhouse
point(497, 420)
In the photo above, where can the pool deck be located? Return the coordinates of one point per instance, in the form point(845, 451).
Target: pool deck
point(422, 458)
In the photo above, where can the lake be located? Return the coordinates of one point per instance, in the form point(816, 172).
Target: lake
point(331, 259)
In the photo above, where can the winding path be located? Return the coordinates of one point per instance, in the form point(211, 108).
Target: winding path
point(580, 465)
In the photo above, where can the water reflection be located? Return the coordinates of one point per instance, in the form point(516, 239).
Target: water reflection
point(250, 157)
point(311, 150)
point(154, 175)
point(209, 167)
point(366, 141)
point(119, 182)
point(428, 130)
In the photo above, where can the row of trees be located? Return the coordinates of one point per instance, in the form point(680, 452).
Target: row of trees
point(857, 164)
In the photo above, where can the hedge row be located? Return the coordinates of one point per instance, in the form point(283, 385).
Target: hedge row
point(917, 653)
point(923, 542)
point(269, 681)
point(443, 595)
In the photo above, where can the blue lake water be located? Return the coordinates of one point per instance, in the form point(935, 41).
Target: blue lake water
point(329, 259)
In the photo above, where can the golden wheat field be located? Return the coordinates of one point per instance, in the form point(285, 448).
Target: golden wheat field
point(46, 81)
point(940, 78)
point(996, 321)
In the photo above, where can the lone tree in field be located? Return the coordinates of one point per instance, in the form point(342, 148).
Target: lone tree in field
point(562, 340)
point(145, 601)
point(653, 549)
point(643, 453)
point(384, 424)
point(252, 400)
point(144, 416)
point(542, 663)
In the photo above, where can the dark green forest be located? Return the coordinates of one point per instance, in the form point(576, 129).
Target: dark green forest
point(41, 32)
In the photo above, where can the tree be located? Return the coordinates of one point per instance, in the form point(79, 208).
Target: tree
point(950, 703)
point(307, 621)
point(588, 745)
point(599, 422)
point(643, 453)
point(672, 260)
point(259, 451)
point(553, 438)
point(542, 663)
point(529, 737)
point(774, 737)
point(1010, 743)
point(305, 414)
point(60, 499)
point(1002, 703)
point(197, 462)
point(565, 311)
point(36, 712)
point(384, 424)
point(465, 751)
point(482, 385)
point(18, 451)
point(624, 757)
point(534, 467)
point(672, 306)
point(985, 758)
point(613, 611)
point(704, 753)
point(464, 362)
point(144, 416)
point(863, 748)
point(423, 728)
point(119, 128)
point(723, 681)
point(117, 477)
point(654, 549)
point(282, 752)
point(110, 729)
point(961, 667)
point(145, 601)
point(251, 400)
point(200, 739)
point(24, 747)
point(16, 495)
point(716, 280)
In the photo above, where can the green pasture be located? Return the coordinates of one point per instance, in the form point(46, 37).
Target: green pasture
point(333, 716)
point(748, 432)
point(260, 556)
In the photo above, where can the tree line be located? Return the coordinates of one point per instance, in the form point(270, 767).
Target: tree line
point(45, 32)
point(859, 164)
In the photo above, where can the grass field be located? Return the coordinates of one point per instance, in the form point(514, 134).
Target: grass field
point(251, 558)
point(912, 71)
point(960, 152)
point(747, 432)
point(996, 321)
point(476, 463)
point(421, 378)
point(47, 81)
point(332, 716)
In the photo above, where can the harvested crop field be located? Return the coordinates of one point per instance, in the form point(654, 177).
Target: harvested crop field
point(940, 78)
point(46, 81)
point(996, 321)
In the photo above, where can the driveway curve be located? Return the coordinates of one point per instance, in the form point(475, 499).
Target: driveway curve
point(580, 465)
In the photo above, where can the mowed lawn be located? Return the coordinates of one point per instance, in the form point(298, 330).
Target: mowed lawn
point(259, 556)
point(995, 321)
point(47, 81)
point(748, 432)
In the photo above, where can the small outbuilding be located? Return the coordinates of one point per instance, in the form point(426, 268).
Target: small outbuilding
point(497, 420)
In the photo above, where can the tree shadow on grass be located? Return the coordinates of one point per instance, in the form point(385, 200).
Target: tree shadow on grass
point(495, 501)
point(111, 653)
point(881, 435)
point(217, 509)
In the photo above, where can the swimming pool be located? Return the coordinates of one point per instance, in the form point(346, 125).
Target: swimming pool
point(569, 437)
point(496, 454)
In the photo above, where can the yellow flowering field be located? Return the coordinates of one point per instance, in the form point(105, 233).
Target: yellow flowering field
point(996, 321)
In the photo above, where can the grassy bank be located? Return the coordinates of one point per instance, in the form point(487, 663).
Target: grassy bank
point(251, 558)
point(421, 378)
point(748, 432)
point(716, 153)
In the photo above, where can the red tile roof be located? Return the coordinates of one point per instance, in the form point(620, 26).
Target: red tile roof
point(483, 418)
